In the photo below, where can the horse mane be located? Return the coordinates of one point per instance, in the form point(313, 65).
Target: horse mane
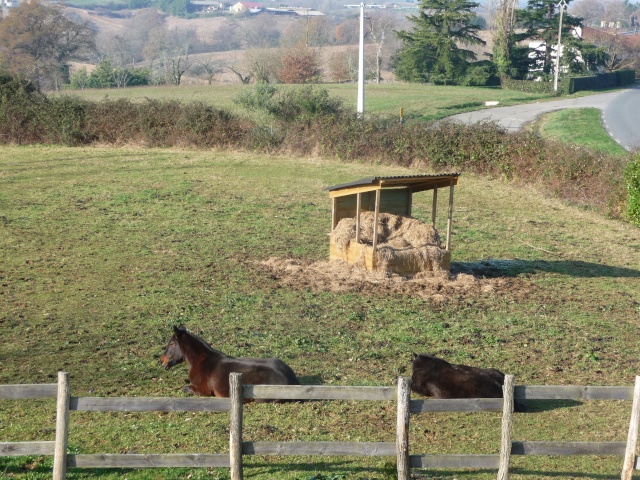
point(206, 345)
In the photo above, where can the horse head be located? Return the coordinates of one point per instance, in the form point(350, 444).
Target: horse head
point(173, 353)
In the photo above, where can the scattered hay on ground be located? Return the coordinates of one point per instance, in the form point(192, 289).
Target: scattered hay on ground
point(338, 276)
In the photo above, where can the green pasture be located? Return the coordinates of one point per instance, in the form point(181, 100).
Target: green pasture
point(422, 102)
point(104, 249)
point(581, 126)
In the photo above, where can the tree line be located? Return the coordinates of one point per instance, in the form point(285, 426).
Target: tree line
point(438, 45)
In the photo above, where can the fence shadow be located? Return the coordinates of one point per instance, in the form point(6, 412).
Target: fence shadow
point(535, 406)
point(338, 469)
point(311, 380)
point(493, 268)
point(534, 474)
point(538, 474)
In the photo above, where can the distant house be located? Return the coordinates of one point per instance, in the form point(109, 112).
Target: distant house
point(207, 6)
point(250, 7)
point(294, 11)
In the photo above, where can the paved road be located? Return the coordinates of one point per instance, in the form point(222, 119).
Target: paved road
point(621, 113)
point(621, 118)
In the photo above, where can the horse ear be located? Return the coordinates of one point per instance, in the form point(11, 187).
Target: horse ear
point(177, 330)
point(415, 355)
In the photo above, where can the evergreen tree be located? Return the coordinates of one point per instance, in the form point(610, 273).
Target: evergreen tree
point(102, 76)
point(433, 51)
point(540, 22)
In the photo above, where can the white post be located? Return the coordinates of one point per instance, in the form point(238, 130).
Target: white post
point(561, 4)
point(360, 110)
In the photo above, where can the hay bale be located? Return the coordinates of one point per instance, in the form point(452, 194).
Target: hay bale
point(401, 240)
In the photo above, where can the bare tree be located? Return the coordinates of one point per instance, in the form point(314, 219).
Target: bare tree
point(121, 76)
point(343, 66)
point(37, 40)
point(346, 32)
point(590, 11)
point(260, 32)
point(616, 11)
point(381, 26)
point(207, 67)
point(121, 50)
point(309, 31)
point(245, 79)
point(622, 52)
point(263, 63)
point(229, 36)
point(176, 64)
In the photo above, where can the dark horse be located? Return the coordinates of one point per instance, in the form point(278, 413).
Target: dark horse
point(209, 368)
point(434, 377)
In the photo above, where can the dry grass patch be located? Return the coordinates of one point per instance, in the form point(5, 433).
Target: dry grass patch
point(439, 289)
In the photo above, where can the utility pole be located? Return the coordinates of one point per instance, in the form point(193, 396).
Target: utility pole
point(562, 4)
point(360, 110)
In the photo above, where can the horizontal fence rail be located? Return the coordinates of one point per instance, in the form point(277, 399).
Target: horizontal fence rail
point(572, 392)
point(400, 448)
point(17, 449)
point(317, 392)
point(130, 460)
point(365, 449)
point(147, 404)
point(19, 392)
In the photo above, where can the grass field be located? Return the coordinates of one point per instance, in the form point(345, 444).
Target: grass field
point(581, 126)
point(104, 249)
point(423, 102)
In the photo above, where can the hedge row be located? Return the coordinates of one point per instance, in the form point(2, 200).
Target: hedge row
point(575, 174)
point(569, 85)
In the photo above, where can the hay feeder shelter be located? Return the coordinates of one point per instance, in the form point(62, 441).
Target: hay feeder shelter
point(367, 215)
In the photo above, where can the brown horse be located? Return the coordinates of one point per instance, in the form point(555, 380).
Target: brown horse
point(434, 377)
point(209, 368)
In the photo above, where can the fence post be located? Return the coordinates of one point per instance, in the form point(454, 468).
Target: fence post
point(402, 429)
point(507, 420)
point(632, 438)
point(235, 428)
point(62, 428)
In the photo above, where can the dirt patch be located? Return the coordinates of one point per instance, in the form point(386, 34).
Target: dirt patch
point(439, 289)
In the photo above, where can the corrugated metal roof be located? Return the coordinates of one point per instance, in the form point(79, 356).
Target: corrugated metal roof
point(421, 181)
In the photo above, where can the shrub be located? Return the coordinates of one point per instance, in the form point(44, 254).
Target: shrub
point(632, 181)
point(258, 98)
point(66, 121)
point(22, 109)
point(290, 105)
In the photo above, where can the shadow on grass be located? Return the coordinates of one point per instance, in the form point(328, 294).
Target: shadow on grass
point(311, 380)
point(323, 468)
point(538, 474)
point(452, 475)
point(492, 268)
point(533, 406)
point(463, 106)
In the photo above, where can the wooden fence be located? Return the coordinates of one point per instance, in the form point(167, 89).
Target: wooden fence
point(399, 448)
